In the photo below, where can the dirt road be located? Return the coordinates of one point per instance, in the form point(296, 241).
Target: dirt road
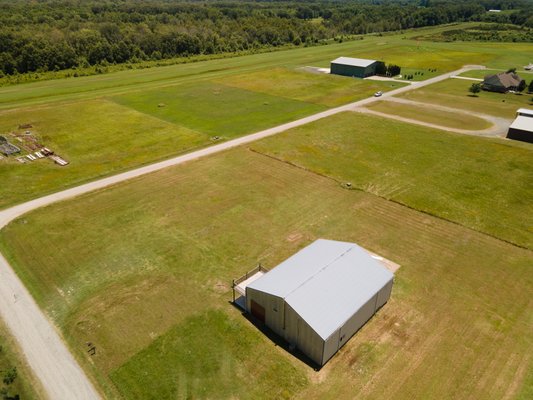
point(498, 129)
point(39, 340)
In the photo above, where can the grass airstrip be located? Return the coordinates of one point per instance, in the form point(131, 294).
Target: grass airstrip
point(142, 269)
point(108, 123)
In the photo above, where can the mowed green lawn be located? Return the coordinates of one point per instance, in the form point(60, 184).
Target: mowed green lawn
point(217, 109)
point(477, 182)
point(454, 93)
point(446, 119)
point(143, 271)
point(316, 88)
point(97, 137)
point(104, 136)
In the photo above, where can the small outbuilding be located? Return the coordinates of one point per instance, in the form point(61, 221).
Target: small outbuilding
point(522, 127)
point(321, 296)
point(354, 67)
point(502, 82)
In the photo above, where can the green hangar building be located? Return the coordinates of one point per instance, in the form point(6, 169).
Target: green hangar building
point(354, 67)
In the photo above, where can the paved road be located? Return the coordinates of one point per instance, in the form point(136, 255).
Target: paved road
point(46, 353)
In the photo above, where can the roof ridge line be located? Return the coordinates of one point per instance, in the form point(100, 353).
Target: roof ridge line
point(319, 271)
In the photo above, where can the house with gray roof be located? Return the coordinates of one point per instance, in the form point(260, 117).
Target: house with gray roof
point(321, 296)
point(502, 82)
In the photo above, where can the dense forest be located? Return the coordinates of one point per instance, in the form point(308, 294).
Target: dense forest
point(52, 35)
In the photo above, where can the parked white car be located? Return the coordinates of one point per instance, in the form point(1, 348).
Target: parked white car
point(378, 94)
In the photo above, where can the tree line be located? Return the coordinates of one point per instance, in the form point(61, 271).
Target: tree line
point(52, 35)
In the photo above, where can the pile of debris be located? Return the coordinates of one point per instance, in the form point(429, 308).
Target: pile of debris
point(42, 153)
point(29, 144)
point(7, 148)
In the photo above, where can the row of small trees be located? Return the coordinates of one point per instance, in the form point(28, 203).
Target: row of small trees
point(387, 70)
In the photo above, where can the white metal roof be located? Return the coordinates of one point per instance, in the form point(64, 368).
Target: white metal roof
point(356, 62)
point(294, 271)
point(326, 283)
point(524, 111)
point(523, 123)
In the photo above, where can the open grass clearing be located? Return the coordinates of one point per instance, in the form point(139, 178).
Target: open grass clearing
point(143, 269)
point(448, 119)
point(324, 89)
point(217, 109)
point(454, 93)
point(216, 365)
point(476, 182)
point(97, 137)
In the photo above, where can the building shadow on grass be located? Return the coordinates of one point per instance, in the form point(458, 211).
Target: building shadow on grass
point(276, 339)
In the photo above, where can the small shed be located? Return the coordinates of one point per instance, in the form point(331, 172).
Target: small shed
point(522, 127)
point(354, 67)
point(321, 296)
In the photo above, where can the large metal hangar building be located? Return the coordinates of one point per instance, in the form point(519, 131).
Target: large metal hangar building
point(321, 296)
point(354, 67)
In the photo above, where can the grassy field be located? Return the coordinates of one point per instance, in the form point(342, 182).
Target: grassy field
point(217, 109)
point(12, 366)
point(98, 137)
point(404, 49)
point(108, 123)
point(209, 366)
point(427, 114)
point(454, 93)
point(323, 89)
point(143, 269)
point(477, 182)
